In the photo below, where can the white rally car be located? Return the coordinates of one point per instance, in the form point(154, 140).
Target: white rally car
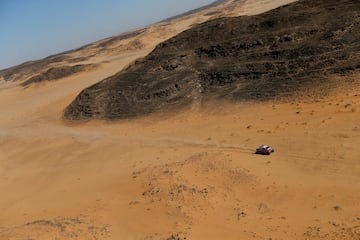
point(264, 150)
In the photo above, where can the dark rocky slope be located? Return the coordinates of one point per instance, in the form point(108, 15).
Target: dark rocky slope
point(55, 73)
point(272, 55)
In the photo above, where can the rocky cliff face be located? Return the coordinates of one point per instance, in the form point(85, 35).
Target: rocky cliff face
point(273, 55)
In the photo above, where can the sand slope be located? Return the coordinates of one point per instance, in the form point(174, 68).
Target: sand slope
point(192, 175)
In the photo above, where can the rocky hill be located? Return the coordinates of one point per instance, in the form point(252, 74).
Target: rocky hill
point(277, 54)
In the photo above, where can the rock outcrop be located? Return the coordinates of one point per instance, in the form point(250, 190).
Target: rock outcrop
point(273, 55)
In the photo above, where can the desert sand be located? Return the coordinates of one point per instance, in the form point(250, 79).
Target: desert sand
point(187, 175)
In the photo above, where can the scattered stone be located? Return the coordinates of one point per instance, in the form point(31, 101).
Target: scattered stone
point(337, 208)
point(176, 236)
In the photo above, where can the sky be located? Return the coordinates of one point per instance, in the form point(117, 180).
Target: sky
point(34, 29)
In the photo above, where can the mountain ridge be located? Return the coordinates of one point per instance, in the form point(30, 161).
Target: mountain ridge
point(142, 38)
point(25, 70)
point(277, 54)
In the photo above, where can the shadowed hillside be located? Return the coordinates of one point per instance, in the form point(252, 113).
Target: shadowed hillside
point(274, 55)
point(57, 73)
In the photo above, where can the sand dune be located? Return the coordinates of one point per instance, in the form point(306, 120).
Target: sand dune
point(192, 175)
